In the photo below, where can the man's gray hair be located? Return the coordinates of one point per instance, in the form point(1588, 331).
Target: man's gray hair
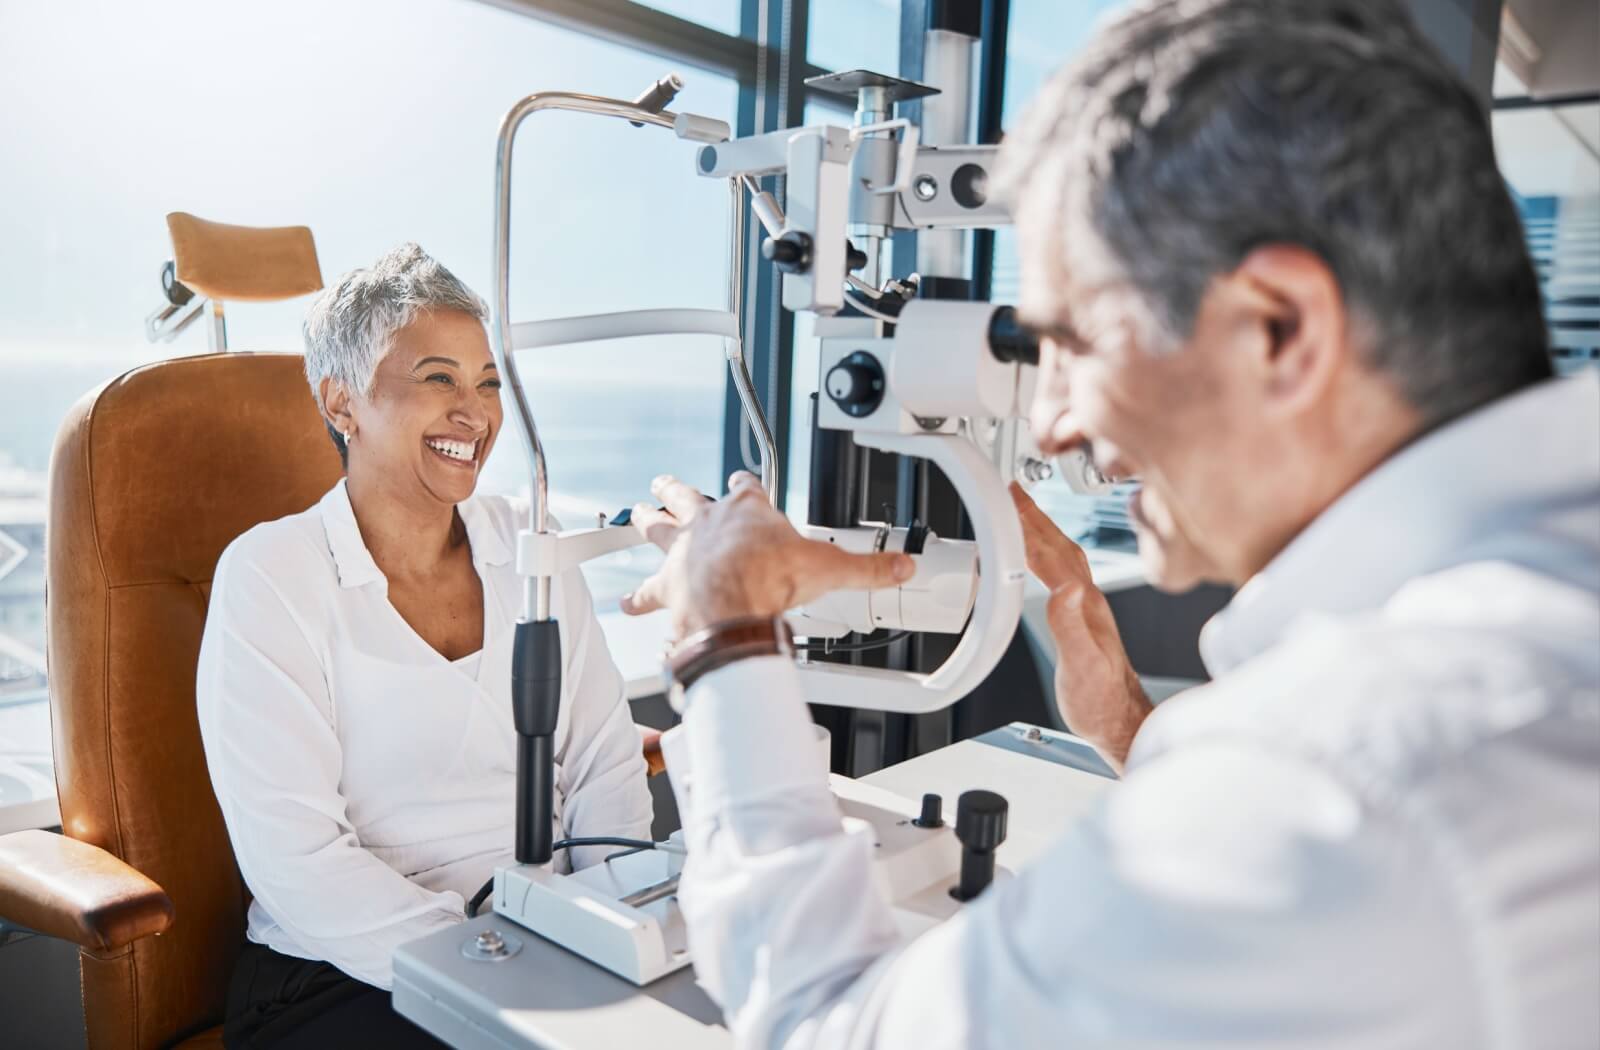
point(352, 324)
point(1191, 132)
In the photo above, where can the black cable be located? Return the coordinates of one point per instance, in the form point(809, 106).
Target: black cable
point(609, 857)
point(631, 846)
point(478, 898)
point(827, 645)
point(603, 840)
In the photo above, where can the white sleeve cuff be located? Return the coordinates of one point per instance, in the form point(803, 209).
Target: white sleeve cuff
point(748, 736)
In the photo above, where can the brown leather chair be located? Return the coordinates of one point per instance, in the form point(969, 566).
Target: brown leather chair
point(152, 476)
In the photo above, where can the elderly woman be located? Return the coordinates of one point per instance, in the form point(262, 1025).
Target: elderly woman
point(354, 679)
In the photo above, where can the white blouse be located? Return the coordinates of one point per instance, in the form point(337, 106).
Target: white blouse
point(367, 782)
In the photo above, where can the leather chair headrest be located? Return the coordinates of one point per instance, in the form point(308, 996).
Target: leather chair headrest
point(243, 263)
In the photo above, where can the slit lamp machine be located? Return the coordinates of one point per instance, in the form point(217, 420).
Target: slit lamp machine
point(944, 380)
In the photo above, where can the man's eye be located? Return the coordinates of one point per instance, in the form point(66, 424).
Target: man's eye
point(1069, 345)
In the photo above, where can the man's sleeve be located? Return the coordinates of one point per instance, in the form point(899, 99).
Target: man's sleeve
point(1222, 896)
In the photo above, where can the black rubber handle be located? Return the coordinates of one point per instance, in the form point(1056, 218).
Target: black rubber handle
point(535, 709)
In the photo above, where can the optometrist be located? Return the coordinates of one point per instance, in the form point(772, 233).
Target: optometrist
point(1283, 283)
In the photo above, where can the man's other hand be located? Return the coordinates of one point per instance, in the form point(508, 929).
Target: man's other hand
point(741, 557)
point(1096, 688)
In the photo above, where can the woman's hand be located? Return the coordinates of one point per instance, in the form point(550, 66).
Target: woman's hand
point(650, 745)
point(741, 557)
point(1096, 688)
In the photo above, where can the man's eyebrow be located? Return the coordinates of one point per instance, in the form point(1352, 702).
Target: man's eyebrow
point(1058, 327)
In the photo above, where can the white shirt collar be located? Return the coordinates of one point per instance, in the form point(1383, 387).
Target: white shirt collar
point(1443, 500)
point(354, 562)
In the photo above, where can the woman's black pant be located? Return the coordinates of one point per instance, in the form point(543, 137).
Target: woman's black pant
point(279, 1001)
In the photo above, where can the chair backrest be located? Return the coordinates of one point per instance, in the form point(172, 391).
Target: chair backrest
point(152, 476)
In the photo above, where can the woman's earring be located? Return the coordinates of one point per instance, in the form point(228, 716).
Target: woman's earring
point(349, 436)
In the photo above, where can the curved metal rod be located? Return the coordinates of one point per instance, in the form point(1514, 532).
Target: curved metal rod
point(625, 324)
point(742, 383)
point(536, 599)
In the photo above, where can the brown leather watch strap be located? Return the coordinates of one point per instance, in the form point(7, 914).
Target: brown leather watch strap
point(723, 643)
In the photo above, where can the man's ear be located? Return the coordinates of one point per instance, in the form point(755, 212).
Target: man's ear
point(1297, 303)
point(336, 405)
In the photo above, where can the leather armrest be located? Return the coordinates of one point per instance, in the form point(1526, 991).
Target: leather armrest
point(69, 889)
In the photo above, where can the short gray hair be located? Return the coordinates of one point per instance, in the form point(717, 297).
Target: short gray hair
point(1190, 133)
point(352, 324)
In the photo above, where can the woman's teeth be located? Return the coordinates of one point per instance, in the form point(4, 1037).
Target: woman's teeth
point(460, 450)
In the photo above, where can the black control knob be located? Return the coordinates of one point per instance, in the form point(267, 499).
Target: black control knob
point(856, 384)
point(981, 828)
point(789, 252)
point(932, 815)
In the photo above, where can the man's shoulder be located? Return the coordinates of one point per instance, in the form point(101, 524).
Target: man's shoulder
point(1393, 696)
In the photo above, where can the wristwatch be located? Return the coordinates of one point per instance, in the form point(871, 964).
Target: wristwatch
point(719, 645)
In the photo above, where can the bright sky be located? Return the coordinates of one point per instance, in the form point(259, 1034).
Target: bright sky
point(372, 121)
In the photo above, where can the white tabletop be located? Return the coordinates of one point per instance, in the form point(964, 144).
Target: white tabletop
point(1044, 797)
point(547, 997)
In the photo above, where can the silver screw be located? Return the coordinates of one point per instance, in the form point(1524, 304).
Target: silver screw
point(926, 187)
point(1032, 470)
point(491, 943)
point(1032, 735)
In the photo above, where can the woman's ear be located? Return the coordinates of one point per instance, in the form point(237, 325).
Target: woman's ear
point(1300, 310)
point(336, 406)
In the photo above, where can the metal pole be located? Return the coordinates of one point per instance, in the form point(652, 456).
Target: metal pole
point(536, 589)
point(216, 327)
point(742, 383)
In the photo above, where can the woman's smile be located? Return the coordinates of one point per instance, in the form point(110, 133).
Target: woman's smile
point(461, 454)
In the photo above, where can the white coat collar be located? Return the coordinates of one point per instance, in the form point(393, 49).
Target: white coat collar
point(1478, 487)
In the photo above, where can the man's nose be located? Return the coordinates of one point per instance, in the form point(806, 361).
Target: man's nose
point(1054, 428)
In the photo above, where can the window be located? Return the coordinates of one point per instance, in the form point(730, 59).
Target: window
point(854, 34)
point(1550, 156)
point(373, 122)
point(714, 14)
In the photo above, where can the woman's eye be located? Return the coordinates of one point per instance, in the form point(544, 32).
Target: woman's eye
point(440, 377)
point(491, 384)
